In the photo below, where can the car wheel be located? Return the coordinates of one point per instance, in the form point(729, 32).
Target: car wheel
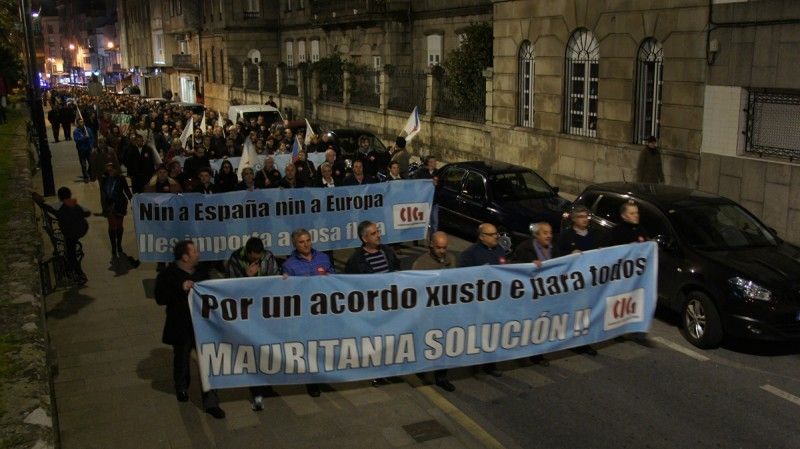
point(700, 321)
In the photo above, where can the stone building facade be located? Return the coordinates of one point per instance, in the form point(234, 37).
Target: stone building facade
point(574, 88)
point(751, 137)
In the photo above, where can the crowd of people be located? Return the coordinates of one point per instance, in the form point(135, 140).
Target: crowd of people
point(148, 143)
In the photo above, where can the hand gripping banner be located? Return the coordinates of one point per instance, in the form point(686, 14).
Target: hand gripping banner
point(221, 223)
point(338, 328)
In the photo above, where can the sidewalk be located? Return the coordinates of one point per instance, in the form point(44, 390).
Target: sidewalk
point(114, 383)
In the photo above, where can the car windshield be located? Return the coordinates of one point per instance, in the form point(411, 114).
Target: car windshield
point(720, 227)
point(519, 186)
point(270, 117)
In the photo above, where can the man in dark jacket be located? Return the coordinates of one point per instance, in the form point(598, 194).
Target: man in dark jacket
point(486, 251)
point(628, 230)
point(54, 117)
point(372, 256)
point(67, 117)
point(172, 287)
point(578, 237)
point(253, 260)
point(72, 222)
point(650, 168)
point(141, 163)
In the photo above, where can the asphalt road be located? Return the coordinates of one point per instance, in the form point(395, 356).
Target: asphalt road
point(743, 394)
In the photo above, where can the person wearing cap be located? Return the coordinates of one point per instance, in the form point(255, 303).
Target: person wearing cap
point(400, 154)
point(650, 168)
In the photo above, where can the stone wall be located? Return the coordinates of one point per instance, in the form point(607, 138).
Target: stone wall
point(619, 27)
point(26, 405)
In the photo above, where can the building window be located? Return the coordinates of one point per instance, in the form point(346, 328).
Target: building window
point(526, 84)
point(580, 84)
point(649, 69)
point(434, 49)
point(300, 4)
point(771, 126)
point(289, 53)
point(179, 8)
point(252, 9)
point(205, 64)
point(254, 56)
point(314, 50)
point(301, 51)
point(158, 48)
point(213, 65)
point(288, 5)
point(221, 67)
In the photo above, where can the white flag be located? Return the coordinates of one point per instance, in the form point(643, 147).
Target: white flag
point(412, 125)
point(188, 132)
point(309, 133)
point(203, 123)
point(248, 158)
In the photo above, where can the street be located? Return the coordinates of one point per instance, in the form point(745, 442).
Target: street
point(114, 387)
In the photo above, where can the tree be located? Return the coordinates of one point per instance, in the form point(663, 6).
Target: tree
point(11, 41)
point(465, 65)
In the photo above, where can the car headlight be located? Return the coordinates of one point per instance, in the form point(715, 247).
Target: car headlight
point(750, 289)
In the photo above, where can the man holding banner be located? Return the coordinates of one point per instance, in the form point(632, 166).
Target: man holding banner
point(253, 260)
point(486, 251)
point(172, 288)
point(437, 258)
point(306, 261)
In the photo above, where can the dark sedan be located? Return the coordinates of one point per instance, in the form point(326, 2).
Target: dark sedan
point(509, 196)
point(724, 271)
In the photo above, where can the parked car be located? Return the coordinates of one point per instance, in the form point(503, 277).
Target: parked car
point(509, 196)
point(722, 269)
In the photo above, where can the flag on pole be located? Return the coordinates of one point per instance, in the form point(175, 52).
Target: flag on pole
point(295, 149)
point(203, 123)
point(80, 116)
point(157, 157)
point(188, 132)
point(412, 125)
point(249, 156)
point(309, 133)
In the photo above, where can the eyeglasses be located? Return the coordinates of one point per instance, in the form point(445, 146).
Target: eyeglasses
point(491, 234)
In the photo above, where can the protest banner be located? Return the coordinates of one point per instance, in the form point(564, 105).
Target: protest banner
point(222, 222)
point(338, 328)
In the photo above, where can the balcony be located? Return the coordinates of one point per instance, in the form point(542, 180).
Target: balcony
point(184, 62)
point(341, 12)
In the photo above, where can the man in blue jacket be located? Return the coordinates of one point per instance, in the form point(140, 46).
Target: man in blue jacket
point(84, 142)
point(306, 261)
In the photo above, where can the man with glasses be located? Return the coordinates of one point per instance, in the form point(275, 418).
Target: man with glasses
point(578, 237)
point(486, 251)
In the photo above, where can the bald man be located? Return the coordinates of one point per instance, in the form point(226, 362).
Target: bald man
point(486, 251)
point(437, 258)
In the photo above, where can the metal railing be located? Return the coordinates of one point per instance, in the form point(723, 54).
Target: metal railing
point(772, 126)
point(332, 91)
point(183, 62)
point(252, 76)
point(289, 81)
point(451, 104)
point(406, 90)
point(365, 88)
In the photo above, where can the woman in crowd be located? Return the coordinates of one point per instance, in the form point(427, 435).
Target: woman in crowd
point(226, 179)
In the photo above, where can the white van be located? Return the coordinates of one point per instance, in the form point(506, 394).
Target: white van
point(245, 111)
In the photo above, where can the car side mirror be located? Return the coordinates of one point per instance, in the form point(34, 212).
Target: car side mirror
point(556, 190)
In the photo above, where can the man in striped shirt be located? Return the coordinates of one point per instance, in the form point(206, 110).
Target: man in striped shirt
point(372, 257)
